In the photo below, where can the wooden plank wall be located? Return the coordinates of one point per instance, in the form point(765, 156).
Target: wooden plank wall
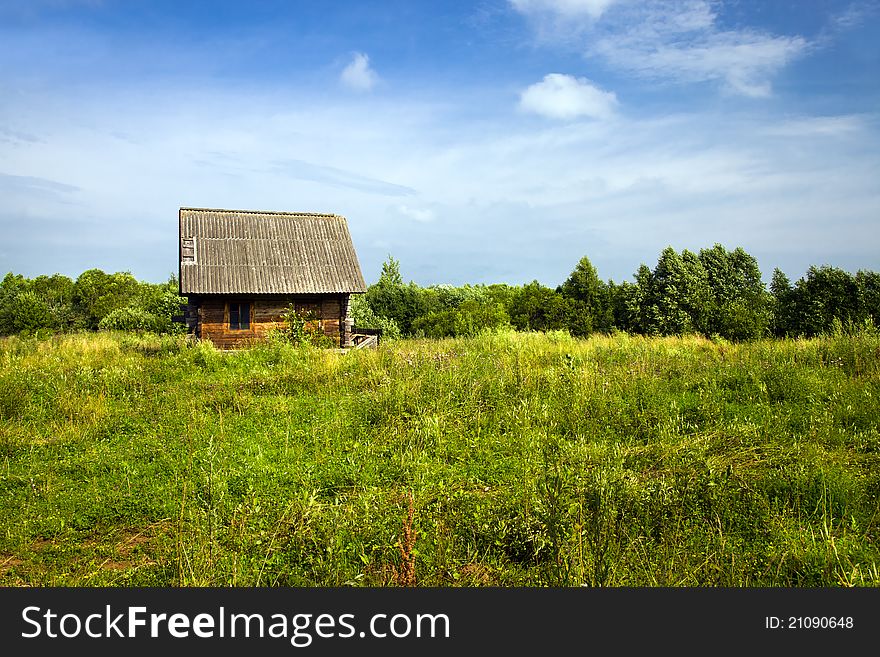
point(345, 321)
point(266, 314)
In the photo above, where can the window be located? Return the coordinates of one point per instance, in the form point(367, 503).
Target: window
point(239, 316)
point(187, 249)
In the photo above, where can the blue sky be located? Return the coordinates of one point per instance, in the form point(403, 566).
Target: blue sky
point(485, 141)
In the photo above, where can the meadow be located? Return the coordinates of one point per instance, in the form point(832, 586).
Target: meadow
point(507, 459)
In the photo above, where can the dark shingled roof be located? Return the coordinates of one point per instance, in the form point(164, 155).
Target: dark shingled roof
point(256, 252)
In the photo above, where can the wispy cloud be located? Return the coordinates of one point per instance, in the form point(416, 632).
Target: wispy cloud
point(358, 75)
point(16, 136)
point(10, 183)
point(339, 178)
point(682, 42)
point(854, 15)
point(849, 18)
point(422, 215)
point(819, 126)
point(560, 96)
point(35, 8)
point(576, 8)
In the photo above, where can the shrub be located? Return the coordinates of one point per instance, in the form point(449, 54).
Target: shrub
point(28, 312)
point(469, 319)
point(96, 294)
point(129, 319)
point(534, 307)
point(364, 317)
point(162, 301)
point(304, 328)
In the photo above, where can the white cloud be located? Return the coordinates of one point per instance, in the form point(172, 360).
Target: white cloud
point(422, 215)
point(744, 61)
point(679, 42)
point(560, 96)
point(853, 16)
point(358, 75)
point(591, 8)
point(835, 127)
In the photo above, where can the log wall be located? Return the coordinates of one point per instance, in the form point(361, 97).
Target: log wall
point(266, 315)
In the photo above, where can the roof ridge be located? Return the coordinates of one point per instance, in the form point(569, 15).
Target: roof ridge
point(274, 212)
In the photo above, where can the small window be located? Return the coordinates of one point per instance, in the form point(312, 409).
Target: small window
point(187, 249)
point(239, 316)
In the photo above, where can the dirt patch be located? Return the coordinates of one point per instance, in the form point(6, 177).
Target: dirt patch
point(133, 546)
point(131, 541)
point(8, 562)
point(476, 574)
point(41, 544)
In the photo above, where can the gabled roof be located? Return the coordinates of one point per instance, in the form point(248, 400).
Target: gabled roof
point(257, 252)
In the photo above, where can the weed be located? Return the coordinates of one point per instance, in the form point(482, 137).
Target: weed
point(405, 574)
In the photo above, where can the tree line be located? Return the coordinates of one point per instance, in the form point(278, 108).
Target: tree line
point(95, 300)
point(715, 292)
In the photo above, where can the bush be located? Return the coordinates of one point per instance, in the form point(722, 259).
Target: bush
point(303, 328)
point(162, 301)
point(534, 307)
point(449, 297)
point(28, 312)
point(129, 319)
point(469, 319)
point(363, 316)
point(96, 294)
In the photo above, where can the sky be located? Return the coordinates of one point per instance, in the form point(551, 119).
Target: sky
point(490, 141)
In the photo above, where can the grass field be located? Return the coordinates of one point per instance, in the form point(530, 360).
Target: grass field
point(504, 460)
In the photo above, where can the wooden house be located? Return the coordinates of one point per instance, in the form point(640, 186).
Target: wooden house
point(241, 269)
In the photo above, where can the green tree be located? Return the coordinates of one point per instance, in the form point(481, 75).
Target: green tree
point(473, 317)
point(47, 303)
point(582, 284)
point(57, 292)
point(162, 301)
point(29, 312)
point(738, 307)
point(868, 283)
point(10, 287)
point(55, 289)
point(782, 304)
point(390, 272)
point(470, 318)
point(389, 297)
point(626, 306)
point(96, 293)
point(697, 295)
point(129, 318)
point(713, 292)
point(449, 297)
point(537, 308)
point(363, 316)
point(640, 302)
point(673, 284)
point(501, 293)
point(824, 295)
point(586, 295)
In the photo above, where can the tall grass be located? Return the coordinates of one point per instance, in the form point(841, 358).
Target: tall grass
point(506, 459)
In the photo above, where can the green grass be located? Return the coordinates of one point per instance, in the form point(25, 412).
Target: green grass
point(530, 459)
